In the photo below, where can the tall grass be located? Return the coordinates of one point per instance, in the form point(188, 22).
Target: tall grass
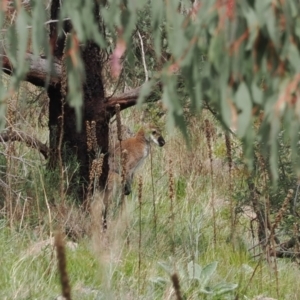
point(137, 257)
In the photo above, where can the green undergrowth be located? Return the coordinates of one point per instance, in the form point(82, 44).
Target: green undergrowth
point(170, 230)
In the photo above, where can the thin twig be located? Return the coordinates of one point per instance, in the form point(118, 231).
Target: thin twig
point(143, 57)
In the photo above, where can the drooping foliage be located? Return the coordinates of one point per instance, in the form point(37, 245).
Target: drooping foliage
point(239, 57)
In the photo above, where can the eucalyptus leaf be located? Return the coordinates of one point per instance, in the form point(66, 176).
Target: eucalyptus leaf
point(38, 32)
point(22, 32)
point(244, 104)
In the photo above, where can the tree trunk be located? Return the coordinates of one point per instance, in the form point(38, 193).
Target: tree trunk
point(64, 118)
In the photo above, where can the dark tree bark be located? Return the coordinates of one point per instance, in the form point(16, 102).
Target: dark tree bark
point(75, 142)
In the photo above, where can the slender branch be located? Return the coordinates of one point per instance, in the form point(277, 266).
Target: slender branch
point(143, 57)
point(30, 141)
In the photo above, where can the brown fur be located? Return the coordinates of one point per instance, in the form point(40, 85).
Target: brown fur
point(138, 148)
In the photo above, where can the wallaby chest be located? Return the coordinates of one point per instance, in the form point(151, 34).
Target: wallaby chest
point(137, 152)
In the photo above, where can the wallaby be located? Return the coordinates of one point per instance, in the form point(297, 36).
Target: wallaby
point(137, 148)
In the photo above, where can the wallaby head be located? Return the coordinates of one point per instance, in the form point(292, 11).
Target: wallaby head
point(152, 133)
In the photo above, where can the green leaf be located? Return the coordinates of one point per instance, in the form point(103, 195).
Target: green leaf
point(170, 96)
point(157, 16)
point(78, 26)
point(193, 83)
point(208, 271)
point(223, 288)
point(22, 31)
point(194, 271)
point(244, 104)
point(225, 105)
point(297, 27)
point(216, 51)
point(257, 93)
point(252, 23)
point(272, 25)
point(260, 8)
point(294, 57)
point(76, 76)
point(38, 32)
point(145, 91)
point(12, 44)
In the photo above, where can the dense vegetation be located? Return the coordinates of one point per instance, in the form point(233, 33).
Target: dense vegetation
point(214, 214)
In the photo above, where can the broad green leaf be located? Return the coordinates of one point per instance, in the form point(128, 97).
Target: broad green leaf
point(38, 32)
point(294, 57)
point(170, 97)
point(207, 272)
point(297, 27)
point(272, 25)
point(158, 9)
point(22, 31)
point(244, 104)
point(145, 91)
point(223, 288)
point(76, 75)
point(257, 93)
point(260, 9)
point(12, 44)
point(77, 24)
point(252, 23)
point(194, 271)
point(225, 105)
point(216, 51)
point(193, 83)
point(294, 7)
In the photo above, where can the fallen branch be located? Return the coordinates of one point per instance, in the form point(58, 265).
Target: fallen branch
point(30, 141)
point(39, 69)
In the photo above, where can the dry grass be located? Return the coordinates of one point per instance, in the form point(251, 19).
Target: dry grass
point(167, 219)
